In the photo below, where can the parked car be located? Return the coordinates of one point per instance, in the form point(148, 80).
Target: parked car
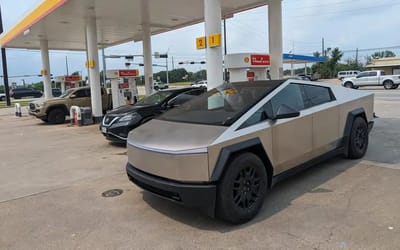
point(117, 123)
point(2, 97)
point(372, 78)
point(220, 152)
point(56, 110)
point(346, 74)
point(202, 83)
point(56, 92)
point(305, 77)
point(160, 85)
point(19, 93)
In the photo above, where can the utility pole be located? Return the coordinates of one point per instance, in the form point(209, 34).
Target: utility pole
point(323, 48)
point(166, 66)
point(225, 52)
point(357, 57)
point(66, 64)
point(173, 63)
point(5, 72)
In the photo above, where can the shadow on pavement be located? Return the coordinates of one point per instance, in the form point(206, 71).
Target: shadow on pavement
point(277, 199)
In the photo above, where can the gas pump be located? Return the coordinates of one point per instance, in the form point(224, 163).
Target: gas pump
point(123, 86)
point(247, 67)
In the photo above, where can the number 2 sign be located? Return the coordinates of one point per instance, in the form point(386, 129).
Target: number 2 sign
point(201, 42)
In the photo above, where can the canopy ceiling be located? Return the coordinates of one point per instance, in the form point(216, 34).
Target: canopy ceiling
point(62, 22)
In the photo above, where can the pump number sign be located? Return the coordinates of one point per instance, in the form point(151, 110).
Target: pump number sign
point(214, 40)
point(201, 42)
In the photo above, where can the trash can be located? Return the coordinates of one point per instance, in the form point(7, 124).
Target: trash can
point(86, 116)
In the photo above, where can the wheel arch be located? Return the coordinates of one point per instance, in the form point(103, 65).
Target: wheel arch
point(351, 116)
point(228, 153)
point(58, 106)
point(348, 81)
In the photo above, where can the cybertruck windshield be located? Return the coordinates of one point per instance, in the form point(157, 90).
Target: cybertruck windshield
point(222, 105)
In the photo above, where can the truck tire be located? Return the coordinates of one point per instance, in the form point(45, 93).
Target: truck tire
point(358, 142)
point(388, 84)
point(242, 189)
point(56, 116)
point(348, 85)
point(395, 86)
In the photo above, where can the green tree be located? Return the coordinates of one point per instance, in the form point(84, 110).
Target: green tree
point(333, 61)
point(199, 75)
point(329, 68)
point(380, 54)
point(37, 86)
point(176, 75)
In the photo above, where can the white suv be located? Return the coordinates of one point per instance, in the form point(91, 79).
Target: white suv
point(160, 85)
point(346, 74)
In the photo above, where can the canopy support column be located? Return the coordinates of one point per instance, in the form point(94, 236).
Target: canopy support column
point(93, 65)
point(44, 50)
point(212, 16)
point(275, 38)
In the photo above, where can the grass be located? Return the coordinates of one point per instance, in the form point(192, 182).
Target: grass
point(22, 102)
point(180, 84)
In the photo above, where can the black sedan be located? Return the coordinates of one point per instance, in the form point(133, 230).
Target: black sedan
point(118, 122)
point(19, 93)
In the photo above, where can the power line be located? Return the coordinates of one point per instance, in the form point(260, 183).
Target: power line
point(346, 11)
point(327, 4)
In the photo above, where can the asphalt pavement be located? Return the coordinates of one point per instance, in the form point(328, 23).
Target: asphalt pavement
point(53, 177)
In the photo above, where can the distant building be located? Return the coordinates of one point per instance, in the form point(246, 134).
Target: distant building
point(391, 65)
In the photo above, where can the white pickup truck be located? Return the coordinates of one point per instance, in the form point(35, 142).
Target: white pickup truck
point(372, 78)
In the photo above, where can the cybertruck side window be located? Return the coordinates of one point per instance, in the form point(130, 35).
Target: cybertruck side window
point(291, 95)
point(317, 95)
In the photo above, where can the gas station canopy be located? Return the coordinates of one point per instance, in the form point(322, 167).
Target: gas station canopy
point(62, 22)
point(294, 59)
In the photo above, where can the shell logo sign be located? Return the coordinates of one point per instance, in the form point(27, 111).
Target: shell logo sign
point(246, 60)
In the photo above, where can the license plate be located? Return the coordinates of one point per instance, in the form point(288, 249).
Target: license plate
point(104, 130)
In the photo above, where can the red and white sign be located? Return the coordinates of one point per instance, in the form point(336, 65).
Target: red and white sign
point(260, 60)
point(73, 78)
point(123, 86)
point(128, 72)
point(250, 75)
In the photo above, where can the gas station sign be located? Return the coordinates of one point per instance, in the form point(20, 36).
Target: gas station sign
point(201, 42)
point(128, 72)
point(260, 60)
point(117, 73)
point(72, 78)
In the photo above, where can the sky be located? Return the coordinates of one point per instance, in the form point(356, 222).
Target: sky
point(346, 24)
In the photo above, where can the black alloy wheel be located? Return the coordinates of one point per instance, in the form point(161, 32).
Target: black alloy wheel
point(56, 116)
point(242, 189)
point(358, 138)
point(246, 188)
